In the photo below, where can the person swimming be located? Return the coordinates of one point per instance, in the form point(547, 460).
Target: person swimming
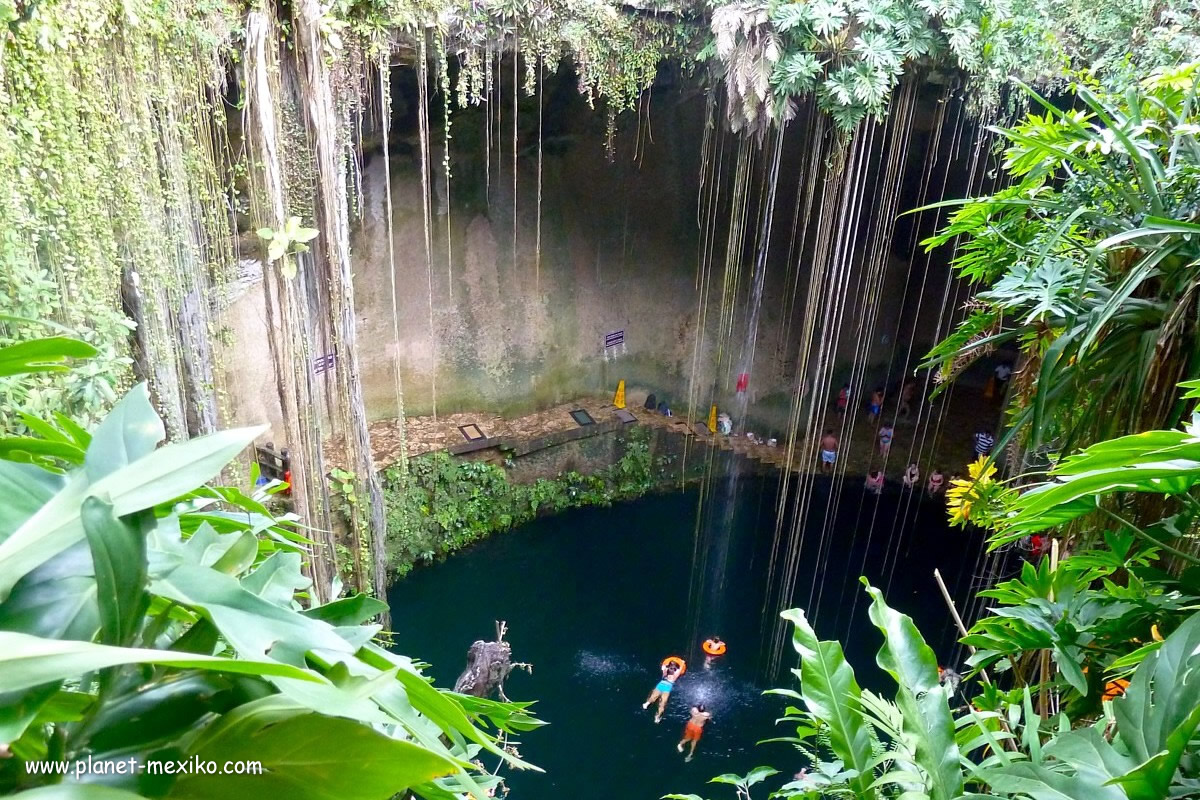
point(662, 690)
point(693, 730)
point(713, 649)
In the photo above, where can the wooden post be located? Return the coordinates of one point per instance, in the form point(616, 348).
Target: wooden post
point(937, 576)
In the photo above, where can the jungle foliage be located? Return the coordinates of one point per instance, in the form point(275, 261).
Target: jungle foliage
point(1088, 263)
point(1084, 675)
point(146, 616)
point(1084, 678)
point(850, 54)
point(443, 504)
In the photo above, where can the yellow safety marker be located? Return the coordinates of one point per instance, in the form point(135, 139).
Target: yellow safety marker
point(619, 397)
point(712, 420)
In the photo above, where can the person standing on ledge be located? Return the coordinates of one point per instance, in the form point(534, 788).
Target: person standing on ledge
point(1003, 372)
point(693, 730)
point(829, 446)
point(875, 408)
point(984, 442)
point(885, 439)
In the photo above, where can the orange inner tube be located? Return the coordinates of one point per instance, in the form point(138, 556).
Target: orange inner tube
point(713, 648)
point(677, 661)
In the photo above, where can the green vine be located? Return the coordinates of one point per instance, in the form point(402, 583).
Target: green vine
point(108, 177)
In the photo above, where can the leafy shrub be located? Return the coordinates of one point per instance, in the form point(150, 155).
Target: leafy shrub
point(443, 504)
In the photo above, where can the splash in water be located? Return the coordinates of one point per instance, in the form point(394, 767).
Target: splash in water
point(589, 664)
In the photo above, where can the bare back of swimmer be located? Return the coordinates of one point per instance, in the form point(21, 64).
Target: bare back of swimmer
point(693, 730)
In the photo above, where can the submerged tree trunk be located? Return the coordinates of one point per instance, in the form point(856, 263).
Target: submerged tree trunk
point(488, 665)
point(334, 256)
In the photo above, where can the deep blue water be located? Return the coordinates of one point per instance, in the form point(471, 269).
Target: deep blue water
point(596, 598)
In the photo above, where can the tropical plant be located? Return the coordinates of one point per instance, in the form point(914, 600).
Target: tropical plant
point(285, 243)
point(850, 54)
point(1089, 263)
point(442, 504)
point(1088, 658)
point(146, 618)
point(866, 746)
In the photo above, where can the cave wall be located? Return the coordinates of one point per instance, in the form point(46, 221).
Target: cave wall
point(508, 331)
point(618, 252)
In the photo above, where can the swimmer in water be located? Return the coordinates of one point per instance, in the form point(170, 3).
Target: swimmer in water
point(693, 730)
point(713, 649)
point(662, 690)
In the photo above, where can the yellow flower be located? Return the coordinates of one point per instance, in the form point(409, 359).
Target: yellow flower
point(964, 493)
point(981, 469)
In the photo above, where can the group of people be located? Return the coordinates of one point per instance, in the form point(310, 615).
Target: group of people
point(908, 390)
point(983, 441)
point(935, 484)
point(673, 669)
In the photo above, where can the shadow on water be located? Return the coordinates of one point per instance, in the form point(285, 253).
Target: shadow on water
point(596, 598)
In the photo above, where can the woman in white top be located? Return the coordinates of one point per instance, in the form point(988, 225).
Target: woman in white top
point(912, 476)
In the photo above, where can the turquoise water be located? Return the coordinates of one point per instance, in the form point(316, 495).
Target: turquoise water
point(596, 598)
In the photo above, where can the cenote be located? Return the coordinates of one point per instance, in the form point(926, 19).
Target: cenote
point(595, 598)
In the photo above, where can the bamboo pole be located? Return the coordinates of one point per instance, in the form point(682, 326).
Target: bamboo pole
point(937, 576)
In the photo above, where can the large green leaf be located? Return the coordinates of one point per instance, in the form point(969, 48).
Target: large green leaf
point(19, 709)
point(158, 711)
point(42, 355)
point(156, 478)
point(27, 661)
point(278, 578)
point(347, 610)
point(1092, 757)
point(1024, 779)
point(832, 695)
point(1160, 710)
point(25, 489)
point(253, 626)
point(57, 600)
point(920, 696)
point(31, 450)
point(306, 756)
point(130, 431)
point(119, 559)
